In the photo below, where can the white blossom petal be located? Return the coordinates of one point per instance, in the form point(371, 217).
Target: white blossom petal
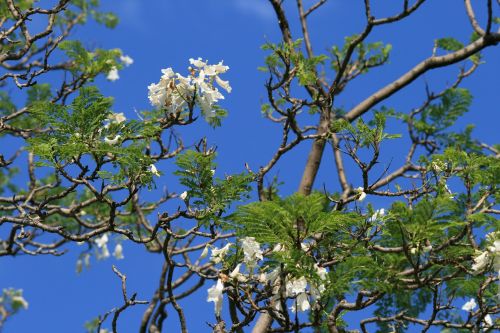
point(235, 274)
point(204, 253)
point(321, 271)
point(377, 215)
point(126, 60)
point(20, 300)
point(197, 62)
point(79, 266)
point(296, 286)
point(215, 295)
point(470, 305)
point(488, 321)
point(279, 248)
point(224, 84)
point(113, 74)
point(86, 260)
point(113, 141)
point(118, 252)
point(251, 250)
point(154, 170)
point(104, 252)
point(183, 195)
point(219, 254)
point(101, 241)
point(117, 117)
point(301, 303)
point(481, 261)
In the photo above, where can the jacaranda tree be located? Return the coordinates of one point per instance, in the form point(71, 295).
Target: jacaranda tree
point(72, 171)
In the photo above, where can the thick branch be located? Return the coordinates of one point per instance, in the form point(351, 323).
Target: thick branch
point(418, 70)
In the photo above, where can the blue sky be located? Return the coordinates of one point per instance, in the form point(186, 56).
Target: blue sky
point(159, 34)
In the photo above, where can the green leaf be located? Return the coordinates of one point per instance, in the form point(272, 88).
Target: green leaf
point(449, 44)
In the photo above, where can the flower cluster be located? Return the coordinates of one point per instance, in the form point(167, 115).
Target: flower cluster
point(102, 252)
point(14, 299)
point(175, 92)
point(490, 255)
point(114, 119)
point(113, 73)
point(302, 290)
point(361, 195)
point(298, 288)
point(251, 251)
point(470, 305)
point(377, 215)
point(219, 254)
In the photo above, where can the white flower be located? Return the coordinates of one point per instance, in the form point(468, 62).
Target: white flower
point(204, 253)
point(377, 215)
point(154, 170)
point(215, 295)
point(113, 74)
point(317, 291)
point(86, 260)
point(208, 97)
point(104, 252)
point(20, 300)
point(101, 241)
point(219, 254)
point(496, 246)
point(493, 236)
point(321, 271)
point(216, 69)
point(117, 117)
point(224, 84)
point(113, 141)
point(235, 274)
point(79, 266)
point(488, 321)
point(301, 303)
point(127, 61)
point(279, 248)
point(271, 277)
point(481, 261)
point(220, 68)
point(449, 191)
point(470, 305)
point(413, 250)
point(251, 250)
point(361, 193)
point(118, 252)
point(307, 246)
point(436, 166)
point(235, 271)
point(296, 286)
point(160, 94)
point(198, 62)
point(183, 195)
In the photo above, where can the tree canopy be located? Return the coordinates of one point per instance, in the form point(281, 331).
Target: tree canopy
point(79, 178)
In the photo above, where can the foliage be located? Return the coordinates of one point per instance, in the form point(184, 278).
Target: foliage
point(82, 173)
